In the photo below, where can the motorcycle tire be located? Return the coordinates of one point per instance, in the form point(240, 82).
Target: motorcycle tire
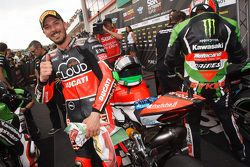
point(182, 161)
point(241, 110)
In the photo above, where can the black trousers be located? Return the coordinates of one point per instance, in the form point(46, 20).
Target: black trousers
point(225, 116)
point(32, 127)
point(56, 102)
point(167, 84)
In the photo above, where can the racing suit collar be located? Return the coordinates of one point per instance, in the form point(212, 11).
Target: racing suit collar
point(70, 45)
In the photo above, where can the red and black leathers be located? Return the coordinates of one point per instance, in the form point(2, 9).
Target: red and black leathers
point(87, 83)
point(87, 79)
point(209, 42)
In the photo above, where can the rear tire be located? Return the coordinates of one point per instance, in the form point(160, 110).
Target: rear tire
point(182, 161)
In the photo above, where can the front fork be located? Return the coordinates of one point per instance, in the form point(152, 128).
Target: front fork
point(146, 160)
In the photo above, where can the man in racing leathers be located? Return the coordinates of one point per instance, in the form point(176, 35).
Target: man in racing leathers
point(209, 42)
point(86, 78)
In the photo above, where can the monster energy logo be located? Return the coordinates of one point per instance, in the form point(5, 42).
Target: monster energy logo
point(209, 27)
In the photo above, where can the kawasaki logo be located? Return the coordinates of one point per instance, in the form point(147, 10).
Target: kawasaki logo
point(208, 47)
point(209, 27)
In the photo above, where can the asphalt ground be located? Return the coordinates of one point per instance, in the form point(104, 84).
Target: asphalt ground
point(57, 152)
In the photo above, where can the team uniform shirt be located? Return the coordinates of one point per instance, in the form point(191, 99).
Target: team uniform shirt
point(208, 53)
point(111, 44)
point(86, 78)
point(162, 39)
point(38, 61)
point(6, 67)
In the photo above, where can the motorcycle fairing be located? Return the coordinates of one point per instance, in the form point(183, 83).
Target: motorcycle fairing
point(171, 102)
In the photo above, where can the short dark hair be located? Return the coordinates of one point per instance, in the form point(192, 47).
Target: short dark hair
point(3, 47)
point(107, 20)
point(35, 44)
point(178, 16)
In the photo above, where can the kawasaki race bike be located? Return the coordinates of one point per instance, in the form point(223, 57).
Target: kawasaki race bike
point(10, 104)
point(240, 85)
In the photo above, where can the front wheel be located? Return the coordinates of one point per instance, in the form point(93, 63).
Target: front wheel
point(182, 161)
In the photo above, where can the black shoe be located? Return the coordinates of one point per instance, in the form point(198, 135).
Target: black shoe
point(240, 155)
point(53, 131)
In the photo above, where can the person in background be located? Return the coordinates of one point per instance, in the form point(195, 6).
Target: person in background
point(165, 84)
point(110, 40)
point(18, 57)
point(209, 42)
point(9, 54)
point(4, 66)
point(131, 38)
point(36, 48)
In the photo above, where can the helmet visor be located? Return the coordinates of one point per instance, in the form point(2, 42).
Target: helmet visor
point(132, 70)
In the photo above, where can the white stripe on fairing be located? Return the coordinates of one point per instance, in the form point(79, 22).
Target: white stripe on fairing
point(228, 37)
point(122, 104)
point(186, 42)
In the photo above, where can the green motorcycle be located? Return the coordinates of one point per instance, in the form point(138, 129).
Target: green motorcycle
point(11, 103)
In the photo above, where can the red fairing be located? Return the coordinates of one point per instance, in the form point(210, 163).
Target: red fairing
point(172, 102)
point(126, 95)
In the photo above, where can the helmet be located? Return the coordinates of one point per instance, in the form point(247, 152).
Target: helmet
point(127, 71)
point(206, 5)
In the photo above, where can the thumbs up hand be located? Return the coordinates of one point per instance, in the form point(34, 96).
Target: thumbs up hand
point(45, 69)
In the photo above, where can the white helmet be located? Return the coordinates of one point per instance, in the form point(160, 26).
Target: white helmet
point(127, 71)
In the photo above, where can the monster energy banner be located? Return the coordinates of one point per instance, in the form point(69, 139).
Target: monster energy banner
point(147, 17)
